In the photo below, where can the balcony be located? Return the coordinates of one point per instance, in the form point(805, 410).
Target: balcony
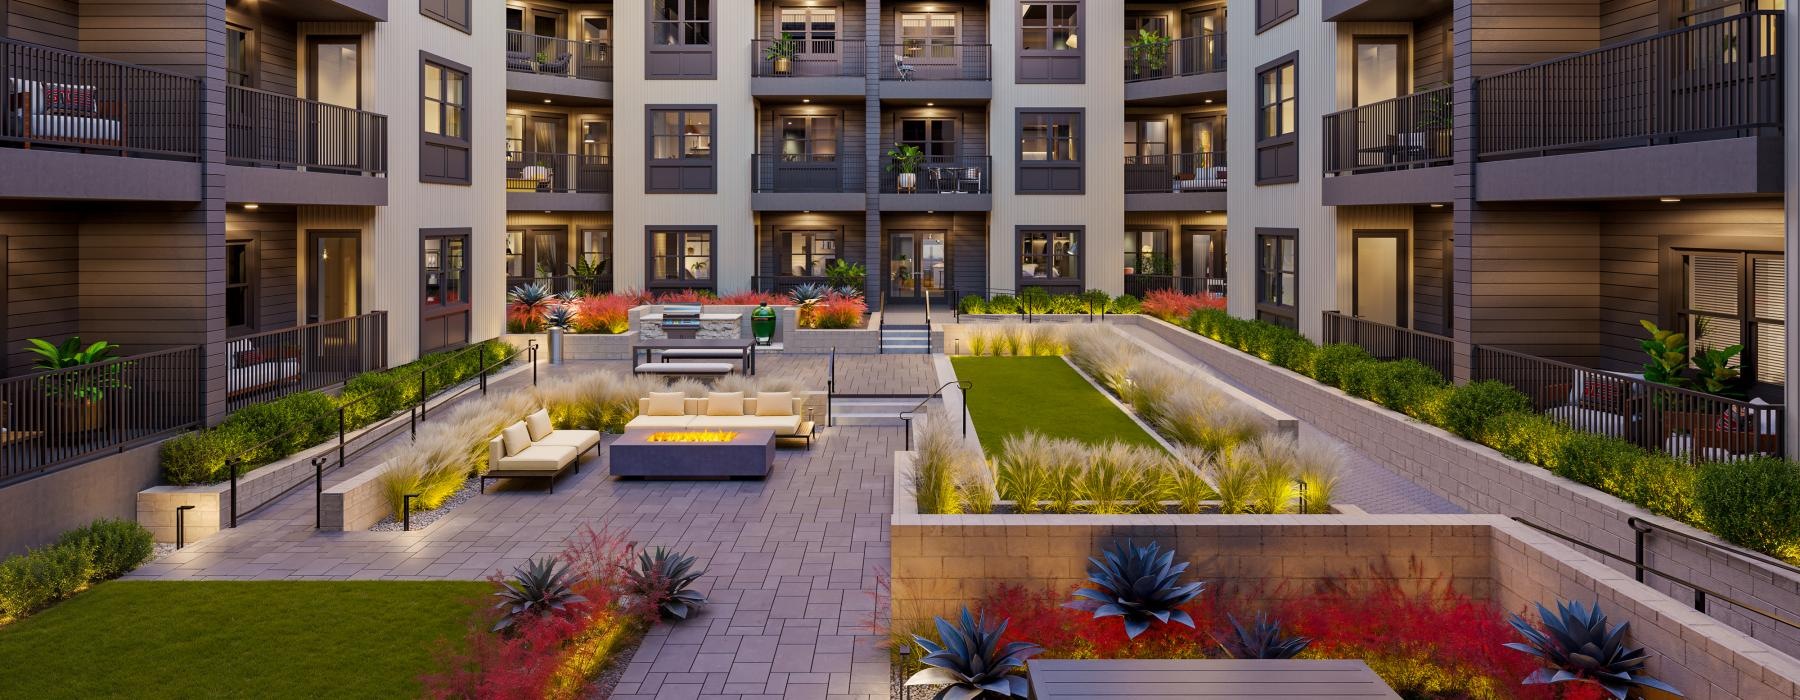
point(1390, 147)
point(943, 73)
point(962, 184)
point(558, 182)
point(817, 68)
point(122, 132)
point(547, 67)
point(800, 182)
point(1381, 10)
point(1175, 182)
point(1695, 111)
point(287, 150)
point(1183, 68)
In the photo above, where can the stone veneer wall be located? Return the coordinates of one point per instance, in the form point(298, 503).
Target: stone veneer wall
point(1481, 480)
point(941, 563)
point(357, 503)
point(36, 511)
point(848, 341)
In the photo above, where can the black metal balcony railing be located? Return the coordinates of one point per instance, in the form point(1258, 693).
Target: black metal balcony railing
point(1412, 131)
point(548, 55)
point(804, 173)
point(972, 175)
point(1717, 79)
point(600, 282)
point(813, 58)
point(1139, 284)
point(1175, 172)
point(66, 99)
point(1192, 55)
point(56, 418)
point(532, 171)
point(269, 129)
point(1392, 342)
point(917, 60)
point(266, 366)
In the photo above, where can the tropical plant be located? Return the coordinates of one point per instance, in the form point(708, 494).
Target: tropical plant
point(87, 386)
point(783, 47)
point(663, 575)
point(537, 587)
point(970, 663)
point(905, 158)
point(1149, 51)
point(70, 353)
point(1576, 646)
point(809, 291)
point(844, 273)
point(1263, 639)
point(1714, 374)
point(1141, 585)
point(1668, 355)
point(588, 273)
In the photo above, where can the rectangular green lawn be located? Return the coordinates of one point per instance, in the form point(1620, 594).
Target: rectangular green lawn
point(238, 639)
point(1016, 395)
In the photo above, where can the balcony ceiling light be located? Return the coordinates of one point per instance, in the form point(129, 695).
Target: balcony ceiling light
point(252, 207)
point(546, 100)
point(806, 100)
point(1437, 206)
point(1669, 200)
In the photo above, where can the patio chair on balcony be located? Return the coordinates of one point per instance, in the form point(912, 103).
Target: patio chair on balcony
point(905, 69)
point(64, 113)
point(560, 66)
point(519, 61)
point(969, 177)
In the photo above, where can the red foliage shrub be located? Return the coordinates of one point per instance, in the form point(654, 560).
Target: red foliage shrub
point(603, 313)
point(752, 299)
point(525, 318)
point(834, 310)
point(688, 296)
point(1175, 307)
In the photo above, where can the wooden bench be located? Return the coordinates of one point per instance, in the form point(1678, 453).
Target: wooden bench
point(685, 369)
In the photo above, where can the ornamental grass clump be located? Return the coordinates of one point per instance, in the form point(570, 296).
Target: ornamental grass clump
point(948, 475)
point(1103, 354)
point(1026, 471)
point(449, 449)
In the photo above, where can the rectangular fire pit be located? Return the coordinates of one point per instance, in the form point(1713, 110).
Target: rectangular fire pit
point(658, 453)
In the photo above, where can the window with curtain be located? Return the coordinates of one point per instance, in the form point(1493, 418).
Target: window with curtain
point(515, 253)
point(240, 56)
point(1049, 257)
point(928, 36)
point(1278, 276)
point(814, 29)
point(1146, 141)
point(681, 258)
point(596, 250)
point(1147, 252)
point(1737, 298)
point(444, 106)
point(681, 151)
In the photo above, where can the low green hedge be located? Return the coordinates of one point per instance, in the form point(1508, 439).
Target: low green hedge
point(105, 549)
point(1037, 300)
point(269, 431)
point(1754, 503)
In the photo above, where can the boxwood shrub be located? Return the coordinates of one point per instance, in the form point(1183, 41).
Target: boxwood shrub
point(269, 431)
point(1467, 410)
point(1755, 503)
point(105, 549)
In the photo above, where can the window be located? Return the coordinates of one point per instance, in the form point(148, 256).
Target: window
point(681, 150)
point(1723, 46)
point(1380, 69)
point(810, 252)
point(1050, 257)
point(240, 56)
point(809, 138)
point(451, 12)
point(1278, 276)
point(1691, 12)
point(928, 36)
point(1737, 298)
point(595, 253)
point(444, 137)
point(680, 45)
point(240, 285)
point(515, 253)
point(935, 137)
point(1050, 42)
point(1277, 113)
point(1147, 253)
point(815, 29)
point(1146, 141)
point(681, 258)
point(444, 289)
point(595, 172)
point(1049, 158)
point(1272, 12)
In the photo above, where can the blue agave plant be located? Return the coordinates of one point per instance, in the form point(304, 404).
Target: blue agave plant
point(560, 316)
point(532, 294)
point(802, 293)
point(1140, 584)
point(1262, 640)
point(663, 575)
point(970, 663)
point(537, 587)
point(1577, 647)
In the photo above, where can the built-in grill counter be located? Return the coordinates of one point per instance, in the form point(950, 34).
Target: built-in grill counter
point(689, 321)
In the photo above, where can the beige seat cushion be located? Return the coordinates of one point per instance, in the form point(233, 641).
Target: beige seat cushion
point(775, 403)
point(581, 440)
point(538, 424)
point(536, 458)
point(517, 438)
point(666, 403)
point(720, 403)
point(659, 422)
point(782, 425)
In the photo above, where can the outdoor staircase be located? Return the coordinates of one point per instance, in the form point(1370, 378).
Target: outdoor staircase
point(906, 339)
point(872, 411)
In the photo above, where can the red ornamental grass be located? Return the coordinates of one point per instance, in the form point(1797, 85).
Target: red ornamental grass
point(752, 299)
point(687, 296)
point(1175, 306)
point(604, 313)
point(834, 310)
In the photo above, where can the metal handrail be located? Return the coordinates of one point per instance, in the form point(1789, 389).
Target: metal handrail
point(831, 389)
point(542, 171)
point(908, 61)
point(962, 385)
point(269, 129)
point(571, 58)
point(1189, 55)
point(134, 111)
point(816, 58)
point(1643, 527)
point(1409, 131)
point(806, 174)
point(1701, 593)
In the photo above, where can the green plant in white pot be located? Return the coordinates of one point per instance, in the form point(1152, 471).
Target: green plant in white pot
point(905, 160)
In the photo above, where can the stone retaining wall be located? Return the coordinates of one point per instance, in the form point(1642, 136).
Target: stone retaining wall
point(357, 503)
point(848, 341)
point(1482, 480)
point(34, 512)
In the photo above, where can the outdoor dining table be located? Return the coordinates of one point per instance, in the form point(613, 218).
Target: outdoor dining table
point(1062, 679)
point(648, 348)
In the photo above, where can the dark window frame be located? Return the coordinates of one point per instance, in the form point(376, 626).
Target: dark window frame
point(1403, 271)
point(652, 46)
point(441, 309)
point(1403, 81)
point(603, 258)
point(447, 17)
point(711, 161)
point(953, 120)
point(1078, 134)
point(252, 279)
point(252, 54)
point(1287, 142)
point(1265, 310)
point(1077, 256)
point(811, 235)
point(712, 257)
point(1023, 55)
point(1270, 13)
point(1676, 295)
point(429, 141)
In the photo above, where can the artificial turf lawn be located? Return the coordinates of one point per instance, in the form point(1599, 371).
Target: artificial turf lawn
point(239, 639)
point(1016, 395)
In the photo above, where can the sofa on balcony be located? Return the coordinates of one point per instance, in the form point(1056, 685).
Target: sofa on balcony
point(62, 113)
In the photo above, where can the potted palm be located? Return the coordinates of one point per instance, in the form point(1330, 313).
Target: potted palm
point(1149, 52)
point(781, 53)
point(77, 396)
point(905, 161)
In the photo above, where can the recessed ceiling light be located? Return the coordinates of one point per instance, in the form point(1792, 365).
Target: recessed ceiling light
point(252, 207)
point(546, 100)
point(1669, 200)
point(806, 100)
point(931, 104)
point(1437, 206)
point(809, 211)
point(1209, 101)
point(546, 211)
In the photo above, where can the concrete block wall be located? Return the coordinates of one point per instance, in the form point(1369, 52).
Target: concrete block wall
point(356, 503)
point(1481, 480)
point(33, 513)
point(849, 341)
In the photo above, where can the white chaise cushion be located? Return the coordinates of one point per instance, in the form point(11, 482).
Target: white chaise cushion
point(517, 437)
point(659, 422)
point(538, 425)
point(548, 458)
point(581, 440)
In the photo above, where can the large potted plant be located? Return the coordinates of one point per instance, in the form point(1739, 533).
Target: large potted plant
point(781, 52)
point(1149, 52)
point(77, 395)
point(905, 160)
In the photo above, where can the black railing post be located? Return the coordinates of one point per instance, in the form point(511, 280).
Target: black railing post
point(906, 422)
point(422, 373)
point(412, 417)
point(318, 492)
point(342, 429)
point(1638, 534)
point(484, 372)
point(406, 511)
point(1302, 484)
point(181, 526)
point(1700, 600)
point(232, 464)
point(532, 357)
point(965, 407)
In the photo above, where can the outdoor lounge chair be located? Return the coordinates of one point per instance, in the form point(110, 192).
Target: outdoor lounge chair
point(532, 449)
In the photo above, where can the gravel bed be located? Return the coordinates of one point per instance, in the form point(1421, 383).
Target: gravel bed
point(423, 519)
point(162, 549)
point(602, 685)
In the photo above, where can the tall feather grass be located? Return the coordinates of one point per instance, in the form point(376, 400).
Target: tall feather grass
point(948, 476)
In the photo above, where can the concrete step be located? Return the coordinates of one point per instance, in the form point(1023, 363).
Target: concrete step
point(871, 412)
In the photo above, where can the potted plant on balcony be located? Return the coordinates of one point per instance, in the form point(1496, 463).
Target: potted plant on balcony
point(781, 53)
point(1149, 52)
point(77, 395)
point(905, 161)
point(1437, 117)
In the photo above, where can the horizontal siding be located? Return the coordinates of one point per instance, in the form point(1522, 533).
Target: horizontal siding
point(1432, 230)
point(1533, 283)
point(52, 23)
point(41, 257)
point(1508, 34)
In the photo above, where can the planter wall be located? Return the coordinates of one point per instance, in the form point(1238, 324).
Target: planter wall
point(744, 331)
point(594, 346)
point(848, 341)
point(34, 512)
point(356, 503)
point(1482, 480)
